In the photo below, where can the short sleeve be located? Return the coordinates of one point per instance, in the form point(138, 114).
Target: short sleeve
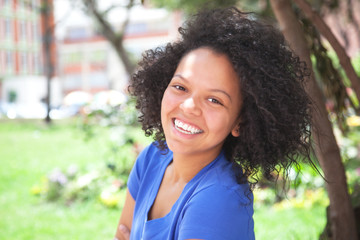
point(218, 213)
point(137, 172)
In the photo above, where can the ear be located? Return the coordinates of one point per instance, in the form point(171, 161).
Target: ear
point(235, 131)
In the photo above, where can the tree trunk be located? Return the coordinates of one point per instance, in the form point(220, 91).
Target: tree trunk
point(124, 56)
point(46, 10)
point(327, 150)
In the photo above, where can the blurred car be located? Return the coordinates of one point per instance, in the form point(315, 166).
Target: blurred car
point(30, 111)
point(65, 111)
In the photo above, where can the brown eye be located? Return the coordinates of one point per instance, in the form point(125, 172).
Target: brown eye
point(179, 87)
point(213, 100)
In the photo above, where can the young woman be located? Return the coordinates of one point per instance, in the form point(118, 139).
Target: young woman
point(223, 102)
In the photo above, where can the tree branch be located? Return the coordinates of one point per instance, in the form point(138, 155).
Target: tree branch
point(127, 17)
point(106, 27)
point(340, 52)
point(40, 9)
point(107, 30)
point(352, 19)
point(113, 7)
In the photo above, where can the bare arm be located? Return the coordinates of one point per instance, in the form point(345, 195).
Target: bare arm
point(126, 217)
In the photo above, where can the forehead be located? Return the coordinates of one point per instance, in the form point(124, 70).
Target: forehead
point(207, 63)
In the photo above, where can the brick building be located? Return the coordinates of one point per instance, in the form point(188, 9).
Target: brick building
point(20, 38)
point(89, 63)
point(22, 80)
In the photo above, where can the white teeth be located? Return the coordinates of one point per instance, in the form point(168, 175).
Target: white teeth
point(185, 128)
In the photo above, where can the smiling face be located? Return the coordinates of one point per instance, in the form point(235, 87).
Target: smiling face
point(201, 104)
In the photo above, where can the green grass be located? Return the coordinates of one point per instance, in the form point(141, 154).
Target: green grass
point(289, 224)
point(29, 150)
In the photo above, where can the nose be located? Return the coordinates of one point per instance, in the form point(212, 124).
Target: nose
point(190, 106)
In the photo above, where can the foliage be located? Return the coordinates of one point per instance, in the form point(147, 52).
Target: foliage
point(113, 123)
point(12, 96)
point(190, 6)
point(350, 150)
point(110, 123)
point(72, 184)
point(29, 150)
point(305, 191)
point(108, 115)
point(307, 188)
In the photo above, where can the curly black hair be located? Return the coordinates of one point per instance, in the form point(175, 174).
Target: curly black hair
point(275, 114)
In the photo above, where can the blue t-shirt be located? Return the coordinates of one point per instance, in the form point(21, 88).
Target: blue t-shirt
point(211, 206)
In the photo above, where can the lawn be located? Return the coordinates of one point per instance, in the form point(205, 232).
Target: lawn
point(29, 150)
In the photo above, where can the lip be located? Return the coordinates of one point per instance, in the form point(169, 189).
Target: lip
point(186, 122)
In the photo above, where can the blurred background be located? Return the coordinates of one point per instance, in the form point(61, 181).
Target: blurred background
point(69, 133)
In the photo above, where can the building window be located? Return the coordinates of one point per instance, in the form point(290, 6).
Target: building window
point(9, 60)
point(72, 81)
point(35, 4)
point(98, 56)
point(7, 3)
point(20, 5)
point(24, 62)
point(30, 63)
point(35, 32)
point(73, 58)
point(22, 28)
point(8, 28)
point(136, 28)
point(98, 79)
point(36, 63)
point(2, 61)
point(2, 27)
point(29, 32)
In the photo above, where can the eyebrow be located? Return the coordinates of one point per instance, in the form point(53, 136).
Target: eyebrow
point(212, 90)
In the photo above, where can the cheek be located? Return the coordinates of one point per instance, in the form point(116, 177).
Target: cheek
point(163, 109)
point(221, 122)
point(217, 120)
point(164, 102)
point(168, 102)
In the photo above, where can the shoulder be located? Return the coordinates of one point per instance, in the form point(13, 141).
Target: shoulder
point(227, 198)
point(146, 168)
point(149, 150)
point(150, 156)
point(222, 179)
point(219, 207)
point(218, 212)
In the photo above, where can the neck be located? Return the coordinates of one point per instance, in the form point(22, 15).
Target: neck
point(185, 167)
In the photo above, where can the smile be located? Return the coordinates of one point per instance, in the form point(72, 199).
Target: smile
point(186, 128)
